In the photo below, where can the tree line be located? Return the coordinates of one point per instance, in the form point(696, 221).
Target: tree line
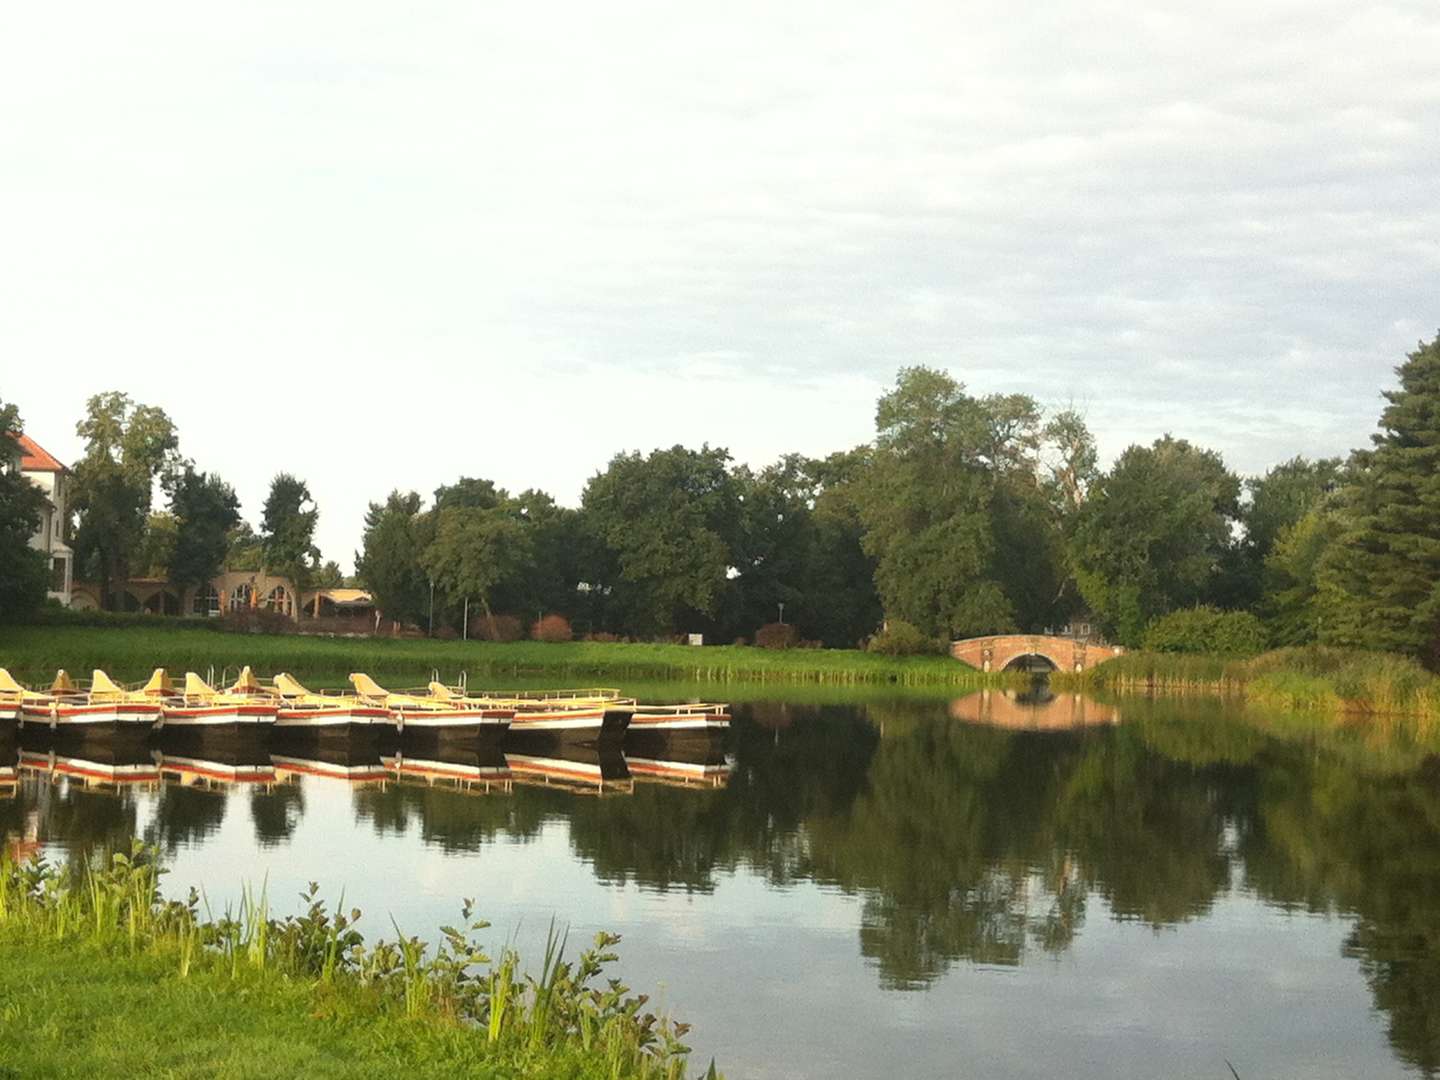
point(964, 515)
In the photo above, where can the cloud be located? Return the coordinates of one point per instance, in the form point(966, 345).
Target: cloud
point(380, 247)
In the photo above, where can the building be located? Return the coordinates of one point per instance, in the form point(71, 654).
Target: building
point(231, 591)
point(53, 478)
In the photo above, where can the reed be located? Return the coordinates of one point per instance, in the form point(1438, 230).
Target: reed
point(111, 906)
point(1343, 681)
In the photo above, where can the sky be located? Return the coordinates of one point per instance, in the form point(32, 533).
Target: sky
point(384, 245)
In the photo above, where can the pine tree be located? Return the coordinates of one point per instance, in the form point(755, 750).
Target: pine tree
point(1381, 579)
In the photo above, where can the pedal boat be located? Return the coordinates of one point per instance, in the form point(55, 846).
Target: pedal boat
point(558, 715)
point(426, 715)
point(699, 719)
point(103, 708)
point(219, 714)
point(12, 698)
point(305, 714)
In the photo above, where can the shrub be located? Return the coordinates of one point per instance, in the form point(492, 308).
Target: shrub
point(496, 628)
point(900, 638)
point(1206, 630)
point(552, 628)
point(255, 621)
point(776, 635)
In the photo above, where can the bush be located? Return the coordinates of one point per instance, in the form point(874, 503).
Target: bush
point(900, 638)
point(496, 628)
point(1206, 630)
point(552, 628)
point(253, 621)
point(776, 635)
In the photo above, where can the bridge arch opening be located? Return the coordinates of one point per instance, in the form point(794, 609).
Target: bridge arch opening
point(1036, 663)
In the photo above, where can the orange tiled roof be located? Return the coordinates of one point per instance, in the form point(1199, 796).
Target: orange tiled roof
point(35, 458)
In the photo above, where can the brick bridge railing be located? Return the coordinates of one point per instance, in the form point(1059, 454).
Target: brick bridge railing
point(1067, 654)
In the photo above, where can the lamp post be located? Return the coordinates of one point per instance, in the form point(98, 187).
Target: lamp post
point(431, 631)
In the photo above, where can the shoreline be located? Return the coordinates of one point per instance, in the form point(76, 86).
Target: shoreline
point(129, 652)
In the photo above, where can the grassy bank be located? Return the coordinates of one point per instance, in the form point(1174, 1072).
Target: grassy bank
point(132, 651)
point(1310, 678)
point(99, 977)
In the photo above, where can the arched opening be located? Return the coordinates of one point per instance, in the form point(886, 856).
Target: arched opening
point(163, 602)
point(241, 596)
point(1034, 663)
point(207, 601)
point(124, 600)
point(280, 600)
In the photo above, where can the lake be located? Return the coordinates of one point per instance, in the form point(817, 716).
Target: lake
point(995, 886)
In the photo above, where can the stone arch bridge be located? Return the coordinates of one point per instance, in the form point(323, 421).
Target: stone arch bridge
point(1000, 651)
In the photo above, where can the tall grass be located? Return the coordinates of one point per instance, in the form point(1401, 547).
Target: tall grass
point(1310, 677)
point(131, 652)
point(114, 904)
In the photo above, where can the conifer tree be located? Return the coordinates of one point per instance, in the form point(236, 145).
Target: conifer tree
point(1381, 579)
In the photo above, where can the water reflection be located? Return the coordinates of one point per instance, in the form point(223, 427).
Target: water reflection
point(988, 831)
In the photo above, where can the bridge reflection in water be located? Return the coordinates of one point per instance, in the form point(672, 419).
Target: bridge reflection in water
point(1033, 710)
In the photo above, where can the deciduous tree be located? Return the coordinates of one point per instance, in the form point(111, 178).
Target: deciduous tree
point(127, 448)
point(23, 570)
point(287, 530)
point(1153, 534)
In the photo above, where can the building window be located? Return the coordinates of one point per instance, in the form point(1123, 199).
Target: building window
point(279, 600)
point(57, 575)
point(240, 597)
point(207, 601)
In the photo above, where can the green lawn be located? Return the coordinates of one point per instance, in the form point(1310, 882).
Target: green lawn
point(132, 650)
point(74, 1010)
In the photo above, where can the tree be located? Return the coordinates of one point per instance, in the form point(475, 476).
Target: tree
point(1153, 534)
point(128, 447)
point(389, 563)
point(666, 527)
point(954, 512)
point(474, 550)
point(1292, 604)
point(206, 512)
point(156, 550)
point(287, 530)
point(1382, 575)
point(23, 570)
point(329, 576)
point(244, 550)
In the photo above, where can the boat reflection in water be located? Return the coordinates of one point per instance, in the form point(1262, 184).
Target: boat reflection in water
point(120, 765)
point(682, 765)
point(475, 772)
point(1033, 710)
point(9, 773)
point(215, 764)
point(582, 770)
point(355, 763)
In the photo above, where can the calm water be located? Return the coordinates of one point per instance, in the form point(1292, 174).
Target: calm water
point(909, 889)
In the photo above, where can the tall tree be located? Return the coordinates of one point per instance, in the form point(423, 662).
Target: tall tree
point(287, 530)
point(474, 551)
point(127, 448)
point(205, 510)
point(1154, 534)
point(389, 563)
point(1382, 575)
point(667, 527)
point(23, 570)
point(953, 509)
point(1293, 605)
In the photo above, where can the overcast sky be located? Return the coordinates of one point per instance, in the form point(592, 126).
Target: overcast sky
point(384, 244)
